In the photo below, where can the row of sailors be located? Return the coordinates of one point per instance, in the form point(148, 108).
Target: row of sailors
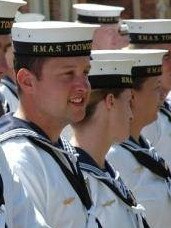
point(49, 182)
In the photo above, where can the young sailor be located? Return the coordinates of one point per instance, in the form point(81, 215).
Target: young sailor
point(143, 35)
point(107, 36)
point(8, 87)
point(112, 34)
point(52, 64)
point(145, 173)
point(107, 120)
point(16, 209)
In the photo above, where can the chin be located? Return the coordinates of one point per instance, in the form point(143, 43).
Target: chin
point(78, 117)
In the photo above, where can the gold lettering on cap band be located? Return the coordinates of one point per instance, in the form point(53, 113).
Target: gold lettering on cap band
point(79, 47)
point(46, 49)
point(53, 49)
point(111, 81)
point(6, 25)
point(106, 19)
point(98, 19)
point(127, 80)
point(150, 38)
point(147, 71)
point(154, 70)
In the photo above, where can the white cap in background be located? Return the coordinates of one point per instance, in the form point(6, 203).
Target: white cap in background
point(147, 62)
point(8, 9)
point(98, 14)
point(111, 74)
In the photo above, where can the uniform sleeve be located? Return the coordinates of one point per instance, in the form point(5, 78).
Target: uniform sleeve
point(28, 209)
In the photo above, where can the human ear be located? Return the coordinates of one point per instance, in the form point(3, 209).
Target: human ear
point(110, 101)
point(25, 80)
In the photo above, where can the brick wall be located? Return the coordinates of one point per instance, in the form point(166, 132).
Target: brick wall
point(128, 13)
point(127, 4)
point(55, 13)
point(148, 7)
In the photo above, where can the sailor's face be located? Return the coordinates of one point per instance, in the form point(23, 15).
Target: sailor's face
point(123, 115)
point(5, 43)
point(166, 75)
point(63, 89)
point(108, 37)
point(146, 101)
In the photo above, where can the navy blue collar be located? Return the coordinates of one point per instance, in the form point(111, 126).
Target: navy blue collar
point(85, 158)
point(8, 122)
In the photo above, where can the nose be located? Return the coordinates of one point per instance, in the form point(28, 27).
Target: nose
point(83, 84)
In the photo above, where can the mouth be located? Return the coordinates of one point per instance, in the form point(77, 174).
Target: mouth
point(77, 100)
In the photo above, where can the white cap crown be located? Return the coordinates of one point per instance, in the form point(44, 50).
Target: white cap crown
point(52, 38)
point(8, 8)
point(28, 17)
point(147, 62)
point(110, 74)
point(96, 13)
point(149, 31)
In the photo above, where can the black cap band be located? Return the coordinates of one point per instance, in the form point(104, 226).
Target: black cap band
point(98, 20)
point(110, 81)
point(6, 25)
point(146, 71)
point(138, 38)
point(66, 49)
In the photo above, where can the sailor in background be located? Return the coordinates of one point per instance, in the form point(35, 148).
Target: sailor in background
point(8, 87)
point(107, 120)
point(112, 33)
point(156, 34)
point(142, 169)
point(16, 209)
point(7, 14)
point(52, 64)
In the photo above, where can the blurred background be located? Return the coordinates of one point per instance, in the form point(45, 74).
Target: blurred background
point(62, 9)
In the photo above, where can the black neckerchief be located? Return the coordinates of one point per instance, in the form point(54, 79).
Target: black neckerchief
point(166, 110)
point(88, 164)
point(12, 127)
point(147, 156)
point(125, 195)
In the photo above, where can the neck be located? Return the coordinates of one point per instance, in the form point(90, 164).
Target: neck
point(94, 139)
point(135, 130)
point(51, 129)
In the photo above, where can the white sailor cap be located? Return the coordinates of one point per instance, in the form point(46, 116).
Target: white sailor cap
point(8, 9)
point(110, 74)
point(28, 17)
point(52, 38)
point(149, 31)
point(147, 62)
point(98, 14)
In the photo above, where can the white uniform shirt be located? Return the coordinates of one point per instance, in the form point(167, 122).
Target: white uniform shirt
point(159, 134)
point(46, 184)
point(111, 210)
point(9, 94)
point(18, 211)
point(149, 189)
